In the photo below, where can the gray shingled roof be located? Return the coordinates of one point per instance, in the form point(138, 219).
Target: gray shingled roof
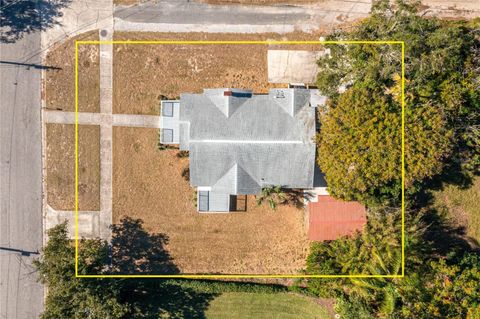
point(239, 144)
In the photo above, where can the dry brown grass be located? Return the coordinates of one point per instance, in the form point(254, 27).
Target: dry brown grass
point(147, 184)
point(462, 207)
point(60, 178)
point(60, 84)
point(143, 73)
point(126, 2)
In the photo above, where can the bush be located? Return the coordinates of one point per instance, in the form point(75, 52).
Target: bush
point(186, 173)
point(218, 287)
point(182, 154)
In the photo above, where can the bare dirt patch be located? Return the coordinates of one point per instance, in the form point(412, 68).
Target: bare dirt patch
point(143, 73)
point(126, 2)
point(147, 184)
point(59, 83)
point(61, 166)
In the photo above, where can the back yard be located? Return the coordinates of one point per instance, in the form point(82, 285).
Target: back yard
point(147, 184)
point(462, 207)
point(262, 305)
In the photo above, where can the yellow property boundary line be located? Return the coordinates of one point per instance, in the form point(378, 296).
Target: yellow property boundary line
point(211, 276)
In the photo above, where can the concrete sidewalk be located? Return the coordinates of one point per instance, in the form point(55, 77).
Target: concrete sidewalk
point(88, 222)
point(78, 17)
point(132, 120)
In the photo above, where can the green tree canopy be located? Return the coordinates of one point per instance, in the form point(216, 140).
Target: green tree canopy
point(433, 287)
point(442, 102)
point(70, 297)
point(99, 298)
point(360, 144)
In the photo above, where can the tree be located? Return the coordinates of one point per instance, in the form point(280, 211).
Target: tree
point(273, 195)
point(434, 286)
point(360, 145)
point(99, 298)
point(71, 297)
point(375, 251)
point(442, 99)
point(449, 289)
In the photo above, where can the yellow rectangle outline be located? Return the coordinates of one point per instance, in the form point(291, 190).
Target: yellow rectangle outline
point(204, 276)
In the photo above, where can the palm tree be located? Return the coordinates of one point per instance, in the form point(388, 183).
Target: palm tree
point(274, 195)
point(386, 259)
point(382, 291)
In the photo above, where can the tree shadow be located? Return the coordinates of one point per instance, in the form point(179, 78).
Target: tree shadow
point(182, 302)
point(159, 298)
point(452, 174)
point(297, 197)
point(445, 236)
point(18, 18)
point(135, 251)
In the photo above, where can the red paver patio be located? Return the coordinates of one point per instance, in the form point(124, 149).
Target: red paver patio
point(330, 218)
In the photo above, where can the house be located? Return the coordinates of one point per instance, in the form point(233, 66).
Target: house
point(239, 142)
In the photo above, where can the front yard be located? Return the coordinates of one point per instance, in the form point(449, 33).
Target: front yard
point(147, 184)
point(60, 166)
point(59, 86)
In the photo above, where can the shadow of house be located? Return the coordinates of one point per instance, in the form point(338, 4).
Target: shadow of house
point(135, 251)
point(22, 17)
point(318, 177)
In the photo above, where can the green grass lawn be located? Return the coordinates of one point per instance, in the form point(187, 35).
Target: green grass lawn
point(262, 305)
point(463, 205)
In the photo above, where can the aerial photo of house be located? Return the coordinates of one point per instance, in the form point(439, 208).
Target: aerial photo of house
point(240, 159)
point(239, 142)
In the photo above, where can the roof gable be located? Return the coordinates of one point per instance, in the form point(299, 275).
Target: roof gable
point(246, 184)
point(227, 183)
point(227, 100)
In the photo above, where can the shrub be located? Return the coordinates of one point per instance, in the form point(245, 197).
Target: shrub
point(186, 173)
point(182, 154)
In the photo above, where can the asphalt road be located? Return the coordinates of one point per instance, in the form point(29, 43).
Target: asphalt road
point(169, 15)
point(21, 296)
point(175, 11)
